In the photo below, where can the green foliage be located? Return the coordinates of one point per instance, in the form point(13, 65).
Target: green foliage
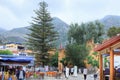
point(42, 36)
point(5, 52)
point(106, 61)
point(85, 32)
point(92, 59)
point(76, 54)
point(113, 31)
point(76, 33)
point(78, 36)
point(54, 60)
point(64, 61)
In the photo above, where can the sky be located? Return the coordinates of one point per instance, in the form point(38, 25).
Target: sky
point(19, 13)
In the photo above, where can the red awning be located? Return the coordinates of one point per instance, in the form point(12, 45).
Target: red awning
point(108, 43)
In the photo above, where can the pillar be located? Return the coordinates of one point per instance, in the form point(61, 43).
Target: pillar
point(111, 64)
point(101, 66)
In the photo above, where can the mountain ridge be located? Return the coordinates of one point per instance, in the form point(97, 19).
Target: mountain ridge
point(19, 34)
point(110, 20)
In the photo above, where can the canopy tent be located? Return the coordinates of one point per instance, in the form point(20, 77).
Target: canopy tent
point(12, 59)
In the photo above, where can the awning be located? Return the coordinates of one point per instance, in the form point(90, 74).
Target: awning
point(11, 59)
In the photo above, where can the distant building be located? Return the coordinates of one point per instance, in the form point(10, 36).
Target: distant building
point(16, 48)
point(2, 47)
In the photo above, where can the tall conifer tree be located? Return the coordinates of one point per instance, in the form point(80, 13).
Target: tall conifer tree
point(42, 36)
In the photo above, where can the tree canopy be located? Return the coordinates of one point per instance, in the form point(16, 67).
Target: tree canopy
point(76, 54)
point(85, 32)
point(93, 59)
point(5, 52)
point(78, 36)
point(54, 59)
point(42, 36)
point(112, 31)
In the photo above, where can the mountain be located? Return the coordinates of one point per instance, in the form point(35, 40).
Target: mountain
point(16, 32)
point(19, 34)
point(62, 28)
point(2, 30)
point(110, 20)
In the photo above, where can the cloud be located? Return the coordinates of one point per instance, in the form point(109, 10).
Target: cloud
point(17, 2)
point(13, 16)
point(17, 13)
point(9, 20)
point(86, 10)
point(7, 17)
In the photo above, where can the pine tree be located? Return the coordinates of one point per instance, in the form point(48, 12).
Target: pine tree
point(42, 36)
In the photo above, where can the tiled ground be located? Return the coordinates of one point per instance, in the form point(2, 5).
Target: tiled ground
point(79, 77)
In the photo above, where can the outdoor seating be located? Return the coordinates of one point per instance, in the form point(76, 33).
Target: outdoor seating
point(35, 75)
point(51, 73)
point(41, 74)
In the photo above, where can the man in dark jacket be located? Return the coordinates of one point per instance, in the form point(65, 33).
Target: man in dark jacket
point(20, 74)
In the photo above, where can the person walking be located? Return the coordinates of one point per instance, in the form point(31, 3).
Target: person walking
point(72, 70)
point(20, 74)
point(75, 71)
point(96, 75)
point(67, 72)
point(85, 73)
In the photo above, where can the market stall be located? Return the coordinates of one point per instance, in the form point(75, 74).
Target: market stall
point(12, 60)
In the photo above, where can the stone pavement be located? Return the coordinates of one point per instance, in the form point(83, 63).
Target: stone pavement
point(79, 77)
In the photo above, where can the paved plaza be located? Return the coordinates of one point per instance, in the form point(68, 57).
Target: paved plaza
point(79, 77)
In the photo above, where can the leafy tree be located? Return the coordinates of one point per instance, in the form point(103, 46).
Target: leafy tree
point(54, 60)
point(76, 33)
point(95, 31)
point(5, 52)
point(76, 54)
point(85, 32)
point(78, 36)
point(112, 31)
point(93, 60)
point(42, 36)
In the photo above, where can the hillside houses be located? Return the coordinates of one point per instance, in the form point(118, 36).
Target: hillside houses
point(15, 48)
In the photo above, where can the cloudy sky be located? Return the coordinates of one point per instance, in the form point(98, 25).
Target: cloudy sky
point(18, 13)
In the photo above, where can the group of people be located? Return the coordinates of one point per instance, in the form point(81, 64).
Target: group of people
point(20, 74)
point(70, 71)
point(74, 70)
